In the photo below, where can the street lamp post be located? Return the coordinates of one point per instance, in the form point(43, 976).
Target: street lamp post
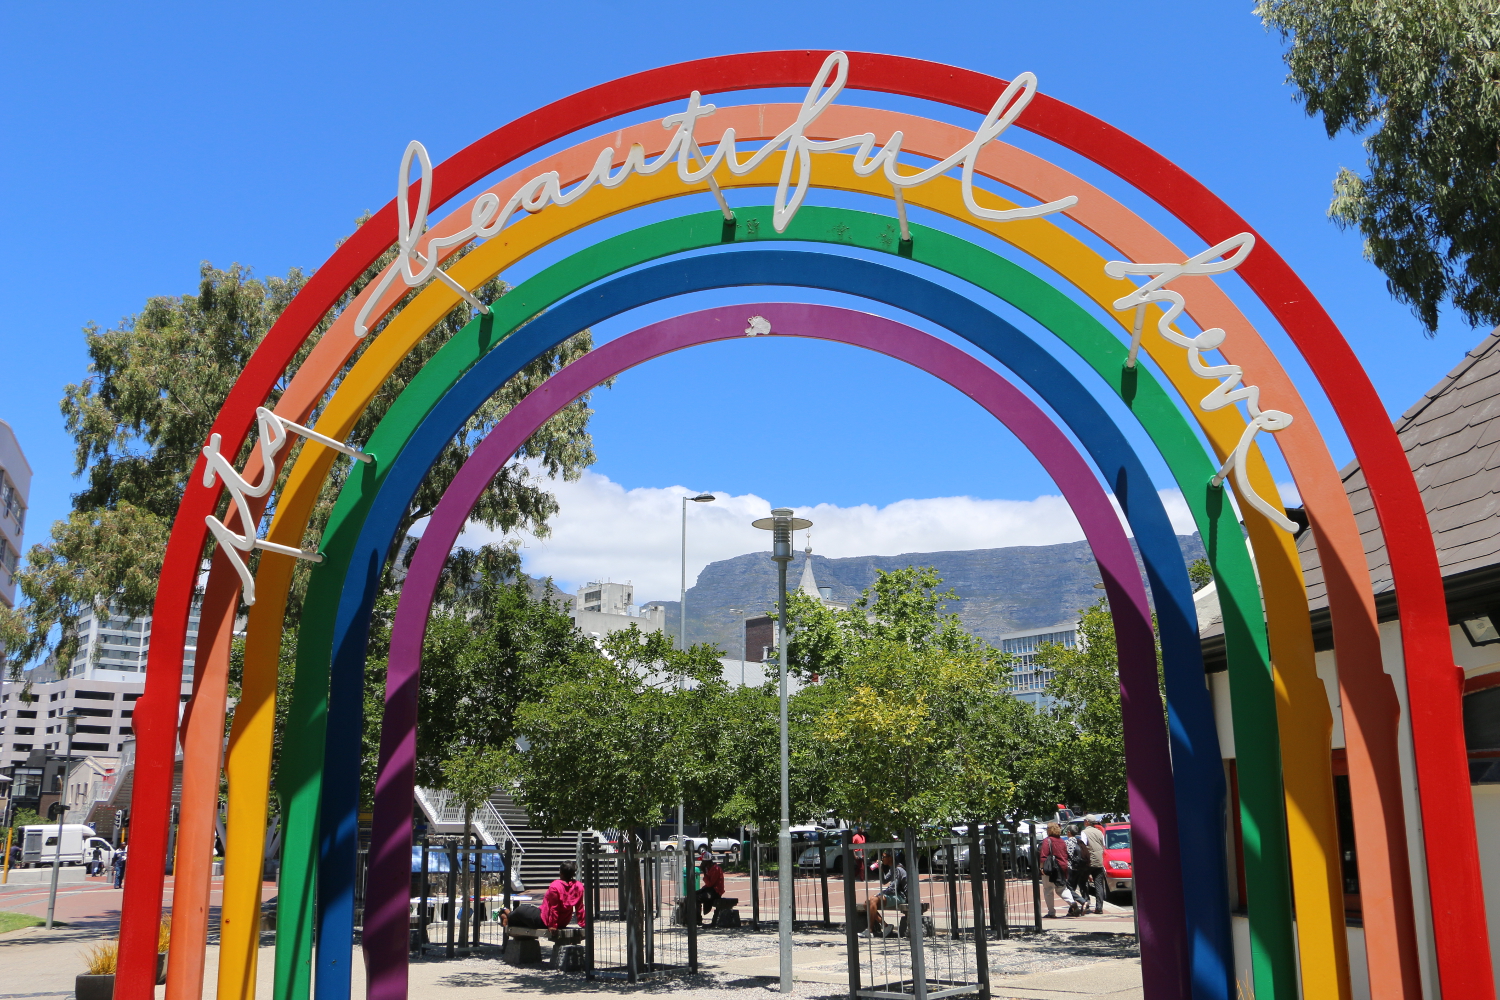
point(682, 623)
point(62, 814)
point(781, 524)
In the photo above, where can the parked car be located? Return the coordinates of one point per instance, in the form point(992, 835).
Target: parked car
point(1119, 875)
point(833, 858)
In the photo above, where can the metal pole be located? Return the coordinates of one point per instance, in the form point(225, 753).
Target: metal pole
point(452, 892)
point(976, 884)
point(851, 936)
point(61, 815)
point(823, 878)
point(784, 862)
point(423, 920)
point(914, 925)
point(1036, 876)
point(754, 883)
point(591, 907)
point(690, 910)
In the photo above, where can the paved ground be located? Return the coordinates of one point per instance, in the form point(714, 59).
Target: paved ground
point(1092, 956)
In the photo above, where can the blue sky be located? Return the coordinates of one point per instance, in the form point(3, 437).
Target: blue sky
point(146, 138)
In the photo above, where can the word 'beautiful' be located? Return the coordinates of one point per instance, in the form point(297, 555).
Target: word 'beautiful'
point(273, 437)
point(1225, 393)
point(487, 217)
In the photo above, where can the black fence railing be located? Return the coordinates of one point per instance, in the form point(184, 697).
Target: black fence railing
point(643, 916)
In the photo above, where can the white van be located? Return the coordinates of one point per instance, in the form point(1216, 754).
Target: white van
point(39, 845)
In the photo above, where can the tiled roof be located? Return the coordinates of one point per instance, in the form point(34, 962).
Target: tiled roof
point(1452, 438)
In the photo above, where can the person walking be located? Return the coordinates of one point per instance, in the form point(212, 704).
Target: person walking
point(1053, 857)
point(119, 866)
point(1093, 836)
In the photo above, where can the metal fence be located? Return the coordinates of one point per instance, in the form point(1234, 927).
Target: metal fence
point(457, 895)
point(816, 870)
point(640, 925)
point(927, 942)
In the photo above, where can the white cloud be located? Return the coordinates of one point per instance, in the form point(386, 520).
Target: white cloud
point(604, 531)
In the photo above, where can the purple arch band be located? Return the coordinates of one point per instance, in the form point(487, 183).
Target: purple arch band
point(1148, 765)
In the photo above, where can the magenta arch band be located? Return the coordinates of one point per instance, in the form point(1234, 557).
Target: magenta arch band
point(1148, 766)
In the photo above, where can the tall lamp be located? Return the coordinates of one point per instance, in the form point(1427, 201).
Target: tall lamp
point(71, 716)
point(682, 625)
point(781, 524)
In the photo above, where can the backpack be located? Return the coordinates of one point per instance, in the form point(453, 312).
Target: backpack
point(1050, 866)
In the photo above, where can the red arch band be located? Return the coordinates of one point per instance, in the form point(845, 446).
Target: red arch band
point(1434, 683)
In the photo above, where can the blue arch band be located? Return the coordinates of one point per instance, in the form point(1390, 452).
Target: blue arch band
point(1199, 784)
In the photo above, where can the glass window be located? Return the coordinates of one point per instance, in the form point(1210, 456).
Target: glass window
point(1117, 839)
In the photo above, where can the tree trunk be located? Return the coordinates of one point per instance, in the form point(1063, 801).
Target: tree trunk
point(465, 859)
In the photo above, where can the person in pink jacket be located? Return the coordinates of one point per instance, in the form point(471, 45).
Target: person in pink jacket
point(562, 902)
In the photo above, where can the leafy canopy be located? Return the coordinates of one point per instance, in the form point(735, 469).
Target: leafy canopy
point(1420, 79)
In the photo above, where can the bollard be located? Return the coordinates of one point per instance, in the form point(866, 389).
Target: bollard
point(1036, 878)
point(690, 908)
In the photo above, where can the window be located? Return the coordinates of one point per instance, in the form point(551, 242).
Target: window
point(126, 731)
point(95, 695)
point(1117, 839)
point(97, 713)
point(24, 714)
point(25, 730)
point(1343, 809)
point(593, 595)
point(94, 729)
point(132, 696)
point(8, 557)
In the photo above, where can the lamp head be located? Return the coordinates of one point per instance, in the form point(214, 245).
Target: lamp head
point(71, 716)
point(781, 524)
point(703, 498)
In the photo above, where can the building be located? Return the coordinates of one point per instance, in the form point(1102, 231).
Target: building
point(1452, 440)
point(15, 488)
point(760, 631)
point(601, 608)
point(101, 682)
point(1027, 681)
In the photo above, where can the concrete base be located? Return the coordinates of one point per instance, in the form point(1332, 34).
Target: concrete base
point(522, 951)
point(43, 876)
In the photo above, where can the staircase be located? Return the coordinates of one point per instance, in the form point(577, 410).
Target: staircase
point(542, 853)
point(446, 815)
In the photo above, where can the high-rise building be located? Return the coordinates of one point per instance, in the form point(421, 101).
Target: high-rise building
point(601, 608)
point(101, 683)
point(15, 488)
point(1027, 681)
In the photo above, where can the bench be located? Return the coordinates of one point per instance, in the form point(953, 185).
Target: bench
point(725, 914)
point(929, 929)
point(524, 944)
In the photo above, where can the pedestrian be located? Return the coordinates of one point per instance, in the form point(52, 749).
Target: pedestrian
point(1093, 835)
point(713, 881)
point(96, 862)
point(892, 894)
point(119, 866)
point(859, 852)
point(1078, 865)
point(1053, 857)
point(562, 902)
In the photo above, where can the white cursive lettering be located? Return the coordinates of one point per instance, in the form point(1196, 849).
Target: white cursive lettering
point(1231, 390)
point(488, 217)
point(273, 437)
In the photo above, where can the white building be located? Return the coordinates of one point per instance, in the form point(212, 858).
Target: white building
point(101, 683)
point(1027, 682)
point(15, 488)
point(602, 608)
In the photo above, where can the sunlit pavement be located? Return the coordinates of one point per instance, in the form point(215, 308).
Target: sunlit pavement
point(1088, 956)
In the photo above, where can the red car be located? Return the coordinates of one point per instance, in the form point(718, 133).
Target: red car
point(1118, 874)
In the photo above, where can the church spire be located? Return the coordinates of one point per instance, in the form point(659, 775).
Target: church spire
point(809, 584)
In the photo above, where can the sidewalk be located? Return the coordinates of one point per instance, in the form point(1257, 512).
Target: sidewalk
point(1093, 956)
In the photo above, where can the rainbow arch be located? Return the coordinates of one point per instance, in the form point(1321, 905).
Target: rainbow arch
point(1369, 700)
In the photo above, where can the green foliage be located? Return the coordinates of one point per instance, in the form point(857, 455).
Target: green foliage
point(904, 606)
point(1418, 78)
point(154, 386)
point(94, 552)
point(24, 816)
point(473, 773)
point(616, 736)
point(917, 736)
point(1200, 574)
point(1090, 765)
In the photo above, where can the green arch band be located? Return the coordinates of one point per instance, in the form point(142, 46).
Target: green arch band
point(1253, 696)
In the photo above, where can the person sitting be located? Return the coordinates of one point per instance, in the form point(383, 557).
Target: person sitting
point(713, 881)
point(892, 893)
point(562, 901)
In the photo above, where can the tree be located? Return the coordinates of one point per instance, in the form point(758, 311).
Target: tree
point(1086, 687)
point(1200, 574)
point(904, 606)
point(1417, 78)
point(154, 386)
point(914, 737)
point(472, 775)
point(617, 737)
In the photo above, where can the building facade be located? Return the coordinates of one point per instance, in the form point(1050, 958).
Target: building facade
point(15, 489)
point(601, 608)
point(1027, 681)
